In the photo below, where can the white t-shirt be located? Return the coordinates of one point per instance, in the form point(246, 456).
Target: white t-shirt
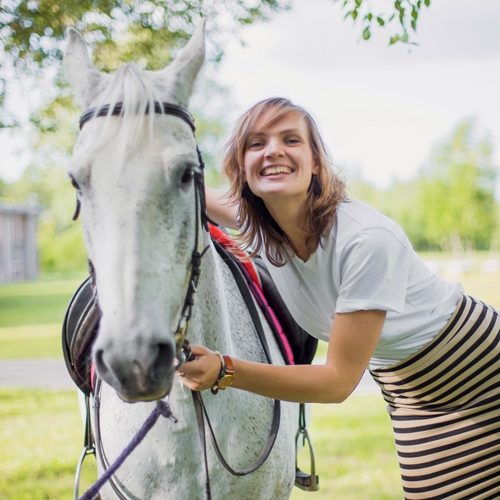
point(367, 262)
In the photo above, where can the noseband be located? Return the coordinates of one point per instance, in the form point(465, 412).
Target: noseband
point(183, 351)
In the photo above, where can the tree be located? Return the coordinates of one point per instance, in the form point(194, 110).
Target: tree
point(400, 202)
point(457, 197)
point(31, 32)
point(406, 12)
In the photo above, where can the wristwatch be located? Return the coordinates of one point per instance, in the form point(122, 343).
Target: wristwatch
point(226, 374)
point(228, 378)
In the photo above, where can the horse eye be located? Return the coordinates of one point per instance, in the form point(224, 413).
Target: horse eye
point(74, 183)
point(187, 176)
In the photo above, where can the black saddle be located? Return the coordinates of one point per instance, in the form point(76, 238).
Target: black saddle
point(80, 326)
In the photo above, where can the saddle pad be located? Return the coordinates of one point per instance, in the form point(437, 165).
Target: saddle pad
point(296, 345)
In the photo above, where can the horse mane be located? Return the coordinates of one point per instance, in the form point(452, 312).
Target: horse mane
point(133, 87)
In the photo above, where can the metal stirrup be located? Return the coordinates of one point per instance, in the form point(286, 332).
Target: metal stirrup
point(304, 481)
point(88, 448)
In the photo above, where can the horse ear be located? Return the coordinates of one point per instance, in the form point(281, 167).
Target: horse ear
point(179, 76)
point(82, 75)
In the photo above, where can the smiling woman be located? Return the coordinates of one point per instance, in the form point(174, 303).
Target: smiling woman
point(349, 276)
point(278, 134)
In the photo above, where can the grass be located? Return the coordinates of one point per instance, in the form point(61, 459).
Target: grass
point(32, 314)
point(355, 452)
point(41, 435)
point(35, 303)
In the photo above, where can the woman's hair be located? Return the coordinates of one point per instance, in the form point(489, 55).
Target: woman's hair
point(258, 230)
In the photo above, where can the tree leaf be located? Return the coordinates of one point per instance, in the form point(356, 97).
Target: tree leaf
point(366, 33)
point(380, 21)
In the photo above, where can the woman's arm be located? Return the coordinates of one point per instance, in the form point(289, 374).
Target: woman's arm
point(354, 337)
point(219, 208)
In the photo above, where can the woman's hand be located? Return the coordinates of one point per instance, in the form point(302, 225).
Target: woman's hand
point(202, 372)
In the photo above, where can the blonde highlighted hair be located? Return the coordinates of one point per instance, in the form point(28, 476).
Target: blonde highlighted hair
point(258, 230)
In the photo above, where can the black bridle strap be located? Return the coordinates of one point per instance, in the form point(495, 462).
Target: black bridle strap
point(160, 108)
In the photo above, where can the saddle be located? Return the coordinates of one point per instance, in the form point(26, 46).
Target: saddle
point(79, 330)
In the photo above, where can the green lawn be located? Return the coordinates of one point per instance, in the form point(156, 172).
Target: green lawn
point(31, 316)
point(41, 435)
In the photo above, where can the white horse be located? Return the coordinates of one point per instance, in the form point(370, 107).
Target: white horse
point(134, 179)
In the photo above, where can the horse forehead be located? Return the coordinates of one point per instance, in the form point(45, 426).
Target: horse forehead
point(171, 143)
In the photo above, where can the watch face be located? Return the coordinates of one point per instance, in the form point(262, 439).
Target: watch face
point(225, 381)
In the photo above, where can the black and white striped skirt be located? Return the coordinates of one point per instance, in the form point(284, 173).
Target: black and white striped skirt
point(444, 403)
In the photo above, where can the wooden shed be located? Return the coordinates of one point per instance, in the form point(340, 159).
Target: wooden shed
point(18, 243)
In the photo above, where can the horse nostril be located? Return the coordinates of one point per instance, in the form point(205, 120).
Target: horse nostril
point(100, 364)
point(164, 361)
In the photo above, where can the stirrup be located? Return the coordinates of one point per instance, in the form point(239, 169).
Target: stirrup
point(86, 451)
point(304, 481)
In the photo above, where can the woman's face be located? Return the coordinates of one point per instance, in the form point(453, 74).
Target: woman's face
point(278, 160)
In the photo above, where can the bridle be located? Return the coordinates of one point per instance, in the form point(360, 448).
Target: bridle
point(183, 350)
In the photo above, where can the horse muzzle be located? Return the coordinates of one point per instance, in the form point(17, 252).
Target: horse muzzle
point(138, 371)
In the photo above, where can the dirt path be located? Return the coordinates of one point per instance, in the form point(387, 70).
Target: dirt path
point(35, 373)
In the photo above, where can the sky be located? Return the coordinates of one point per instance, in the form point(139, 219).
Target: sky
point(381, 109)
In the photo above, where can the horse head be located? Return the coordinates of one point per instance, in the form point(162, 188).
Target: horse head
point(134, 173)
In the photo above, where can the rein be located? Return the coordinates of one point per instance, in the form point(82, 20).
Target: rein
point(183, 351)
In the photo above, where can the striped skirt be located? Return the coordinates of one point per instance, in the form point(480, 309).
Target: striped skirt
point(444, 403)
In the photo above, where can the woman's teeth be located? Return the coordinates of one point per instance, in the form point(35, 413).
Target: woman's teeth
point(276, 170)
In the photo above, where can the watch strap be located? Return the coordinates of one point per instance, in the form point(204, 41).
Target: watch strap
point(226, 373)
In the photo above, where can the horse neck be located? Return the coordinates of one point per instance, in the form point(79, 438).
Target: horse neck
point(211, 315)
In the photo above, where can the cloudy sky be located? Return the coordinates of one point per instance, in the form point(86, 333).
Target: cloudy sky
point(380, 108)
